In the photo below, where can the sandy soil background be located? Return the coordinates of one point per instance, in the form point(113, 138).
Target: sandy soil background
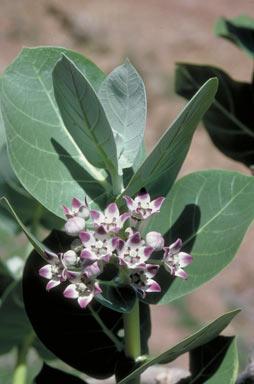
point(154, 34)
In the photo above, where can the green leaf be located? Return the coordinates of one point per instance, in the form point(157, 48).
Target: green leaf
point(43, 155)
point(229, 121)
point(2, 133)
point(124, 100)
point(161, 167)
point(211, 212)
point(33, 240)
point(215, 362)
point(118, 298)
point(22, 202)
point(197, 339)
point(239, 30)
point(83, 115)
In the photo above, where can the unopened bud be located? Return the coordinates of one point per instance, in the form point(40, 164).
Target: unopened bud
point(155, 240)
point(70, 258)
point(75, 225)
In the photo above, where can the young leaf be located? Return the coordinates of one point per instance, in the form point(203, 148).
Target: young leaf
point(215, 362)
point(124, 100)
point(228, 121)
point(239, 30)
point(43, 155)
point(211, 212)
point(197, 339)
point(161, 167)
point(83, 115)
point(33, 240)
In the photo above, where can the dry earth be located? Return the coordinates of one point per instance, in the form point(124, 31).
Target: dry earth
point(154, 34)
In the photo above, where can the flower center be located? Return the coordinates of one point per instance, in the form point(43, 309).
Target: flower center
point(99, 244)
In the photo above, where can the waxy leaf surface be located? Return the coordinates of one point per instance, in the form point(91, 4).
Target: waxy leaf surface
point(229, 121)
point(83, 115)
point(211, 212)
point(161, 167)
point(199, 338)
point(124, 100)
point(215, 362)
point(239, 30)
point(42, 152)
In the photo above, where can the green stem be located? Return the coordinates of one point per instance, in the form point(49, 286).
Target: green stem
point(20, 372)
point(131, 322)
point(117, 183)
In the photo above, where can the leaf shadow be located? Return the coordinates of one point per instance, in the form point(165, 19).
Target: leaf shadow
point(89, 184)
point(185, 227)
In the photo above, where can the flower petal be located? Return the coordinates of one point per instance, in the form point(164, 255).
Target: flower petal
point(76, 204)
point(181, 273)
point(97, 216)
point(153, 286)
point(51, 257)
point(157, 203)
point(46, 271)
point(130, 202)
point(112, 211)
point(51, 284)
point(71, 292)
point(85, 300)
point(184, 259)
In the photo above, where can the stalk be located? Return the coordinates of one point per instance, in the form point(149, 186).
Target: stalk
point(132, 337)
point(20, 372)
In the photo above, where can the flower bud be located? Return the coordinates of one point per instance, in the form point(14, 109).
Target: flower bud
point(155, 240)
point(84, 212)
point(70, 258)
point(74, 225)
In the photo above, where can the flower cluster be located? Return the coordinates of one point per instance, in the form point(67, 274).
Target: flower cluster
point(112, 240)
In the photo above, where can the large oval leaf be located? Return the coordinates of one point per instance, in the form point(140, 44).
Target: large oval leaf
point(210, 211)
point(42, 153)
point(124, 99)
point(160, 169)
point(73, 334)
point(229, 121)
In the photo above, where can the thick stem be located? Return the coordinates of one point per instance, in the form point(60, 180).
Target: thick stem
point(117, 183)
point(20, 372)
point(132, 347)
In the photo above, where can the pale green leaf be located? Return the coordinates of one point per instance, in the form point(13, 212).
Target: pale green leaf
point(124, 100)
point(83, 115)
point(43, 155)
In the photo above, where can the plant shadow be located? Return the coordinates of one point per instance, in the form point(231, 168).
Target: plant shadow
point(88, 183)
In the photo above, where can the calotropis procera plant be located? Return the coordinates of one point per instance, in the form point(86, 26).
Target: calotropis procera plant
point(132, 236)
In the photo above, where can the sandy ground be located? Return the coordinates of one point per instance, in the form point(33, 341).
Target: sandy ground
point(154, 34)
